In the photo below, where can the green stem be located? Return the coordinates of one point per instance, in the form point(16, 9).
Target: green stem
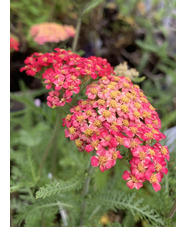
point(172, 211)
point(78, 27)
point(51, 143)
point(85, 192)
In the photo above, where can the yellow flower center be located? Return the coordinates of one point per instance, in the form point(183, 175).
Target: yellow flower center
point(125, 108)
point(77, 108)
point(149, 135)
point(113, 126)
point(107, 138)
point(95, 143)
point(133, 129)
point(129, 80)
point(142, 155)
point(101, 102)
point(115, 155)
point(141, 168)
point(136, 86)
point(151, 107)
point(68, 117)
point(114, 94)
point(125, 99)
point(144, 100)
point(84, 102)
point(133, 178)
point(60, 83)
point(128, 95)
point(125, 122)
point(116, 78)
point(120, 140)
point(151, 152)
point(163, 150)
point(133, 144)
point(97, 123)
point(133, 92)
point(146, 114)
point(104, 78)
point(89, 113)
point(71, 87)
point(88, 72)
point(80, 118)
point(106, 113)
point(154, 131)
point(94, 91)
point(137, 105)
point(158, 167)
point(102, 160)
point(155, 122)
point(73, 78)
point(78, 143)
point(105, 91)
point(102, 86)
point(137, 114)
point(56, 76)
point(88, 132)
point(72, 130)
point(141, 93)
point(126, 85)
point(153, 179)
point(113, 103)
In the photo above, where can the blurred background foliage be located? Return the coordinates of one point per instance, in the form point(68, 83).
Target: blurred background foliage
point(140, 32)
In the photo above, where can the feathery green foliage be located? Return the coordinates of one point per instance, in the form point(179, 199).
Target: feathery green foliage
point(57, 187)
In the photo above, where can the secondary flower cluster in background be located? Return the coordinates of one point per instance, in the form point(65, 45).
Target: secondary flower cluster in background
point(63, 72)
point(14, 44)
point(117, 113)
point(51, 32)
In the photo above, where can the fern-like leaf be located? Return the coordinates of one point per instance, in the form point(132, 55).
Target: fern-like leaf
point(117, 200)
point(41, 208)
point(59, 186)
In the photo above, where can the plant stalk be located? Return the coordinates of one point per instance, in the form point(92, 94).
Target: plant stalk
point(78, 27)
point(85, 192)
point(52, 141)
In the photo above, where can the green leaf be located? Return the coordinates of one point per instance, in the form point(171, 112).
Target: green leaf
point(119, 200)
point(90, 5)
point(138, 80)
point(146, 46)
point(58, 187)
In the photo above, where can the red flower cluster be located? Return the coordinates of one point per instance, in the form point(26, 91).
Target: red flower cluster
point(63, 71)
point(51, 32)
point(117, 113)
point(14, 44)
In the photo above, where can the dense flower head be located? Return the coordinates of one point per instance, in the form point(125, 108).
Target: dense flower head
point(14, 44)
point(64, 71)
point(115, 114)
point(50, 32)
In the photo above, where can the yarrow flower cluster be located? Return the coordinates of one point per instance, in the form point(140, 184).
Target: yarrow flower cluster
point(14, 44)
point(116, 114)
point(51, 32)
point(63, 73)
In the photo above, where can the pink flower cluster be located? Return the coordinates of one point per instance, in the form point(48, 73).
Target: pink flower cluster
point(116, 114)
point(63, 72)
point(14, 44)
point(51, 32)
